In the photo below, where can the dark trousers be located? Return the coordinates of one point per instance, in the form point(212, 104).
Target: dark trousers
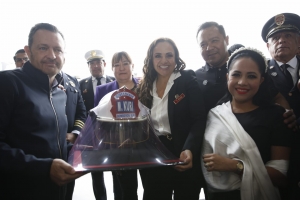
point(294, 169)
point(99, 186)
point(70, 190)
point(128, 183)
point(160, 183)
point(117, 187)
point(232, 195)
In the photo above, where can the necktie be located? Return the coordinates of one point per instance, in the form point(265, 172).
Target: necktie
point(287, 74)
point(99, 80)
point(59, 78)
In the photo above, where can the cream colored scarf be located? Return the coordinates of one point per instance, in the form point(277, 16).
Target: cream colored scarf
point(225, 136)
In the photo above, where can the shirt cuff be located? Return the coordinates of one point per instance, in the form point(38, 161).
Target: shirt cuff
point(76, 132)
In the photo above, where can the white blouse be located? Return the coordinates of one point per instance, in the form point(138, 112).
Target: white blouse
point(159, 110)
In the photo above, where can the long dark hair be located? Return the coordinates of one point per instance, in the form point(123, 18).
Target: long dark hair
point(150, 74)
point(263, 96)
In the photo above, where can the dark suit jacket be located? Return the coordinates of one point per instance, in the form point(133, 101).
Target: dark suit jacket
point(102, 90)
point(187, 118)
point(75, 108)
point(292, 95)
point(86, 87)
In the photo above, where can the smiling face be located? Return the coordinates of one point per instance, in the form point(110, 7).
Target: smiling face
point(164, 59)
point(243, 80)
point(213, 46)
point(46, 52)
point(123, 70)
point(283, 46)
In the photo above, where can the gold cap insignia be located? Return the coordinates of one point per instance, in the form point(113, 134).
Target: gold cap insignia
point(93, 53)
point(279, 19)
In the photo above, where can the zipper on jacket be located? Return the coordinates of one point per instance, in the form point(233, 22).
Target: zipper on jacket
point(58, 133)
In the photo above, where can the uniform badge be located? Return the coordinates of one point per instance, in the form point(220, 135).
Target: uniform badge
point(71, 83)
point(274, 74)
point(176, 96)
point(204, 82)
point(84, 91)
point(93, 53)
point(271, 67)
point(179, 98)
point(279, 19)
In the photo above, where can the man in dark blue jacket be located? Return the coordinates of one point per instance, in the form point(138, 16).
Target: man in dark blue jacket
point(33, 124)
point(76, 114)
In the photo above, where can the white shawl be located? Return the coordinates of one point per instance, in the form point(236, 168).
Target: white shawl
point(225, 136)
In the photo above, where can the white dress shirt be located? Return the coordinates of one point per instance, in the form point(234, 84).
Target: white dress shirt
point(94, 81)
point(293, 69)
point(159, 110)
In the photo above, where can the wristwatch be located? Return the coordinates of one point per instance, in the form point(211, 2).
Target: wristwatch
point(240, 166)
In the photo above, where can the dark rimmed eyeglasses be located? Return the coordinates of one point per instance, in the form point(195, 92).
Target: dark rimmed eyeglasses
point(22, 59)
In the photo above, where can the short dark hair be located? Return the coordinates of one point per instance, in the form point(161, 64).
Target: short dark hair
point(19, 51)
point(118, 56)
point(234, 47)
point(210, 24)
point(42, 26)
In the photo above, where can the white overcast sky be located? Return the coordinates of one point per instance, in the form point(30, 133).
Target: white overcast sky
point(131, 25)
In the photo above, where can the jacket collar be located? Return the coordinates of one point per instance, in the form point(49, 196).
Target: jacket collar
point(209, 68)
point(37, 75)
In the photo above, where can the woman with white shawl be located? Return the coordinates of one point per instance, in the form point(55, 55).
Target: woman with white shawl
point(246, 144)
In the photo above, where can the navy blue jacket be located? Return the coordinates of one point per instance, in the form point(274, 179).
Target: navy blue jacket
point(292, 95)
point(33, 128)
point(75, 108)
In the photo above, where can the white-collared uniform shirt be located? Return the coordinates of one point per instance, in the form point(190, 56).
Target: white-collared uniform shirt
point(293, 69)
point(159, 110)
point(94, 81)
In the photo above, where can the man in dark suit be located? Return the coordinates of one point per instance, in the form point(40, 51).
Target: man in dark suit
point(96, 64)
point(282, 35)
point(20, 58)
point(76, 114)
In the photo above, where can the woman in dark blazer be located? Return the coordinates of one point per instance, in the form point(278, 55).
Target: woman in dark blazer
point(178, 115)
point(125, 182)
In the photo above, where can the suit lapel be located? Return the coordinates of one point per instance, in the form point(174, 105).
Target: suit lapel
point(277, 74)
point(65, 80)
point(171, 98)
